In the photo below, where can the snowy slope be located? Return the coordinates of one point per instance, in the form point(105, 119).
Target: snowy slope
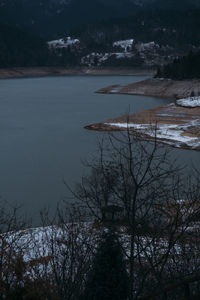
point(125, 45)
point(64, 42)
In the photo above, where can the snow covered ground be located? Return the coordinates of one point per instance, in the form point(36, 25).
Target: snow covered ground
point(141, 47)
point(175, 124)
point(63, 43)
point(189, 102)
point(98, 59)
point(169, 133)
point(126, 45)
point(34, 243)
point(122, 49)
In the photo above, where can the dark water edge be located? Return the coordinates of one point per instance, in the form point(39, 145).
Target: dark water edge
point(43, 140)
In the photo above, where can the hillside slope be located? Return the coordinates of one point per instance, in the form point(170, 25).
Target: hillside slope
point(18, 48)
point(53, 17)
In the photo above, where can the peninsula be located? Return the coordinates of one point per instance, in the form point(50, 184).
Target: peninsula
point(176, 124)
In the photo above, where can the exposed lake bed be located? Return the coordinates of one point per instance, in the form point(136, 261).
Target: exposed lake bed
point(156, 87)
point(177, 124)
point(171, 124)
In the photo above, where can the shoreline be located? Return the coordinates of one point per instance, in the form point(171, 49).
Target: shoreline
point(33, 72)
point(157, 87)
point(188, 129)
point(174, 125)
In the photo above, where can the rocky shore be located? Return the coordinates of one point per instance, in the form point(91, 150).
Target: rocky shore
point(58, 71)
point(157, 87)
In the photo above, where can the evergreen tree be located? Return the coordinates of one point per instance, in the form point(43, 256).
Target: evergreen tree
point(108, 278)
point(186, 67)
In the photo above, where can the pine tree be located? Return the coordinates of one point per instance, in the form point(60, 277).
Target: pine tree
point(108, 278)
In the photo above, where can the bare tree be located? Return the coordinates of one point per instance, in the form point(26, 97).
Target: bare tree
point(71, 244)
point(12, 266)
point(142, 178)
point(135, 186)
point(48, 262)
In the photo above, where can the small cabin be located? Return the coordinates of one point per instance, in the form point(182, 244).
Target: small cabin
point(112, 213)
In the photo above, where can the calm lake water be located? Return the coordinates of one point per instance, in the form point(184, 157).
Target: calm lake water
point(42, 140)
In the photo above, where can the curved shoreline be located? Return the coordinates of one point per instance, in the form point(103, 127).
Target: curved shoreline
point(174, 125)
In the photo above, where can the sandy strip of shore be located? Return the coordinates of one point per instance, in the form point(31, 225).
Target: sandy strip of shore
point(58, 71)
point(156, 87)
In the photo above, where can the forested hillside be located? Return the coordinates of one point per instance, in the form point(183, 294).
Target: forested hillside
point(170, 34)
point(187, 67)
point(18, 48)
point(167, 27)
point(50, 18)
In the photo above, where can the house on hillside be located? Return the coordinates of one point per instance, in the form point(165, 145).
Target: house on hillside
point(112, 213)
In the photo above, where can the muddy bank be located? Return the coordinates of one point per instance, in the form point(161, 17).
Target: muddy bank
point(164, 88)
point(174, 125)
point(54, 71)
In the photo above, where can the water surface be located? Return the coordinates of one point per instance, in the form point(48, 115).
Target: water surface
point(42, 140)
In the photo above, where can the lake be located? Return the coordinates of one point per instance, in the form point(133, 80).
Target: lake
point(42, 139)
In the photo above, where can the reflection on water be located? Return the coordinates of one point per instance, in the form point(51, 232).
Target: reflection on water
point(42, 139)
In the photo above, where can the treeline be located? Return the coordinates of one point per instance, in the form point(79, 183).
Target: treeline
point(175, 28)
point(21, 49)
point(18, 48)
point(135, 61)
point(186, 67)
point(54, 17)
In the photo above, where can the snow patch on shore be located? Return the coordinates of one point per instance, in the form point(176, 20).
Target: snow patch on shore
point(172, 134)
point(189, 102)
